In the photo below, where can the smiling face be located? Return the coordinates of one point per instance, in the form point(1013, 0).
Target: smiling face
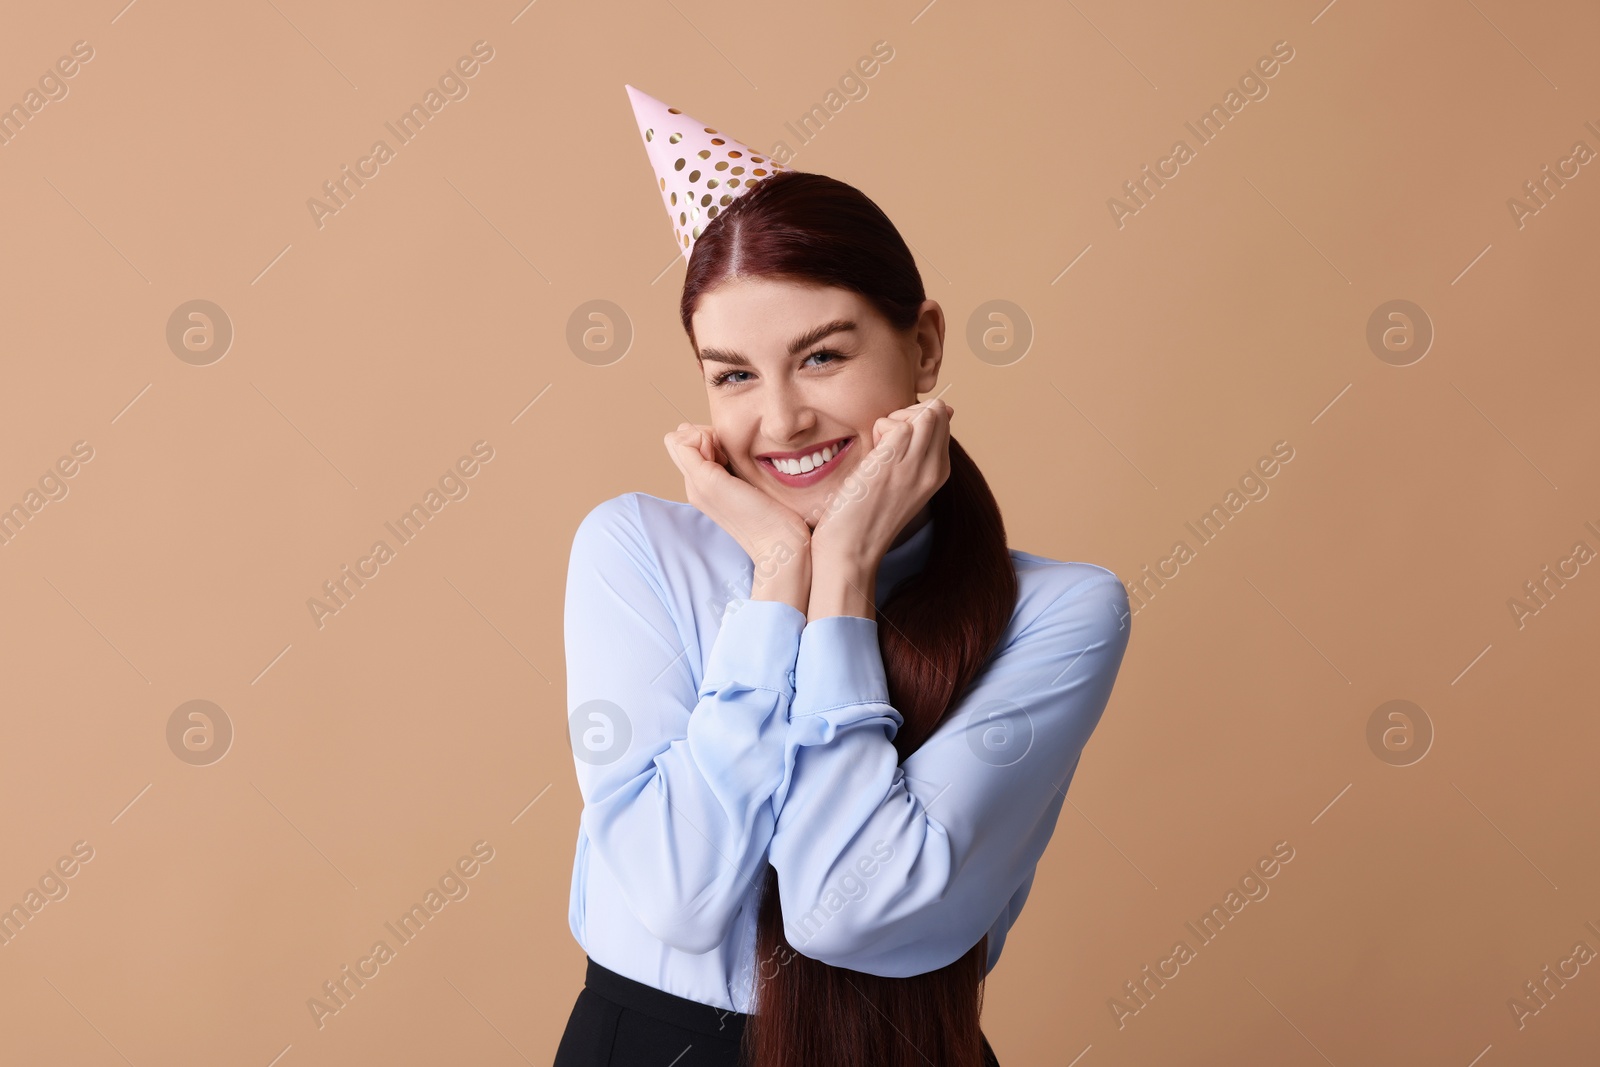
point(794, 370)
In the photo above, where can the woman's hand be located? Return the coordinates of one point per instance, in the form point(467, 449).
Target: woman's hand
point(775, 537)
point(909, 461)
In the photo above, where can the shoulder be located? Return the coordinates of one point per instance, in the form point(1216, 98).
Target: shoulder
point(645, 526)
point(1051, 592)
point(635, 553)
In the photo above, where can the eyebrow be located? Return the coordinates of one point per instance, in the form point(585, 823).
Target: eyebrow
point(805, 340)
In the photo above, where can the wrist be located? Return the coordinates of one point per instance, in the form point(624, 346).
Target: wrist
point(842, 585)
point(846, 559)
point(782, 572)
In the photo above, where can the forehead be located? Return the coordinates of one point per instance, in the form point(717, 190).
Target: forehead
point(761, 316)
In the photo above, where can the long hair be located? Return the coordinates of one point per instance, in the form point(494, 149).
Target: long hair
point(936, 630)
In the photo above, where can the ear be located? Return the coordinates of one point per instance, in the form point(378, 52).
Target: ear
point(928, 336)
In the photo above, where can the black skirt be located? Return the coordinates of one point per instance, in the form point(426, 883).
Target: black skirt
point(618, 1022)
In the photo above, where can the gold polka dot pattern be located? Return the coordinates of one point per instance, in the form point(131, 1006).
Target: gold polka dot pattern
point(672, 140)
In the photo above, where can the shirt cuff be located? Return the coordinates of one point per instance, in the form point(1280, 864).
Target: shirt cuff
point(755, 647)
point(838, 666)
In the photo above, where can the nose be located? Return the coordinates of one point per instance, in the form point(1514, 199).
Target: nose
point(787, 417)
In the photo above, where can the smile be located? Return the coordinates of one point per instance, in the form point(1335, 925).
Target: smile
point(808, 469)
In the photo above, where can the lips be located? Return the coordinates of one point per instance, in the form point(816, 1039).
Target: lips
point(816, 474)
point(804, 451)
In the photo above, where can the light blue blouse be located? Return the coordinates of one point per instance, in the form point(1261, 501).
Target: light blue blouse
point(712, 733)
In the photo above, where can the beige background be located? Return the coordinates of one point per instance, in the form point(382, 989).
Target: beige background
point(431, 312)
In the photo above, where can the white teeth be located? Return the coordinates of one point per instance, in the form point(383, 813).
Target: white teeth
point(806, 464)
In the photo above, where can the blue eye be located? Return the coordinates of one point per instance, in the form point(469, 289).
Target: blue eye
point(725, 378)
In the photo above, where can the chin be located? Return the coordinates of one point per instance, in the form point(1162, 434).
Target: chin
point(803, 502)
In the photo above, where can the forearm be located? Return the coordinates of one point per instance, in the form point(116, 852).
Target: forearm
point(783, 573)
point(677, 767)
point(947, 835)
point(842, 586)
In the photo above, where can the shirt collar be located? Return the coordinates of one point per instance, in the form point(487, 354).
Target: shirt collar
point(904, 560)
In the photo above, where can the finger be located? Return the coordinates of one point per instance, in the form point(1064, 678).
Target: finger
point(714, 451)
point(700, 438)
point(679, 438)
point(940, 446)
point(895, 434)
point(718, 453)
point(936, 415)
point(923, 431)
point(695, 458)
point(934, 442)
point(916, 412)
point(941, 441)
point(673, 449)
point(684, 453)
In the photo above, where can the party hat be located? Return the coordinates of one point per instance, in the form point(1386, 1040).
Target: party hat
point(699, 170)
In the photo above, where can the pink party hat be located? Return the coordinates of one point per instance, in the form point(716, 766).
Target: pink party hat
point(699, 170)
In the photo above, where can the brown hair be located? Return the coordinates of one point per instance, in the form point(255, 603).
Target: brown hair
point(937, 630)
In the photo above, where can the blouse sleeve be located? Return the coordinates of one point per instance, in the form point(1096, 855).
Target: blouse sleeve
point(677, 780)
point(897, 870)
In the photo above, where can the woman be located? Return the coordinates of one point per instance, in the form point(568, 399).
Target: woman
point(823, 718)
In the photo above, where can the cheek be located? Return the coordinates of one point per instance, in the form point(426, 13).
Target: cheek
point(858, 410)
point(730, 430)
